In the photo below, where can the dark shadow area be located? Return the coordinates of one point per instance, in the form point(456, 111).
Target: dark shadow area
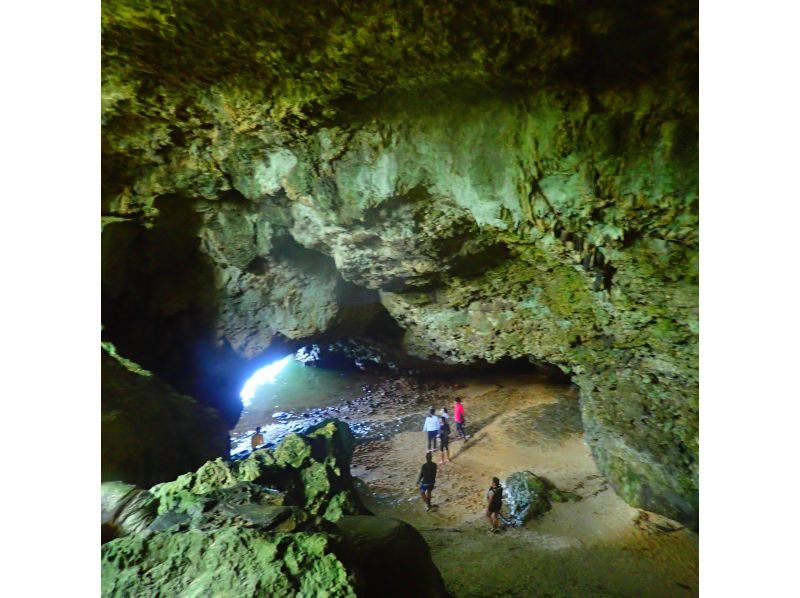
point(158, 305)
point(382, 355)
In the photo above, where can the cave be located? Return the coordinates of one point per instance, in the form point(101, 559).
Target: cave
point(324, 219)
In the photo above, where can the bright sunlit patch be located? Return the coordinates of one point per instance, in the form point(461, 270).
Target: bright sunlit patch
point(265, 375)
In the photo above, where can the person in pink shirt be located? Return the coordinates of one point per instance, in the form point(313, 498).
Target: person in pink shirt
point(458, 415)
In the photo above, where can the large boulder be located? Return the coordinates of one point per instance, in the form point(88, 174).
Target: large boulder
point(393, 557)
point(310, 470)
point(529, 496)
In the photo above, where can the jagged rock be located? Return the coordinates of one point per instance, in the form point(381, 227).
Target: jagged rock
point(150, 432)
point(222, 531)
point(529, 496)
point(230, 561)
point(293, 451)
point(243, 505)
point(311, 470)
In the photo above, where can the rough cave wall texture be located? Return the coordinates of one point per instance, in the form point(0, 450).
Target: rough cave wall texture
point(505, 178)
point(150, 433)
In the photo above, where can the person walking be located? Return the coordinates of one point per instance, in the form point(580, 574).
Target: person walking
point(427, 480)
point(458, 415)
point(432, 428)
point(494, 503)
point(444, 440)
point(258, 439)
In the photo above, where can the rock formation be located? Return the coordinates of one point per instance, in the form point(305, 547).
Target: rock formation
point(504, 179)
point(529, 496)
point(282, 523)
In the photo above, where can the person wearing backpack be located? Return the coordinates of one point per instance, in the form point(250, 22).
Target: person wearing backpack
point(495, 503)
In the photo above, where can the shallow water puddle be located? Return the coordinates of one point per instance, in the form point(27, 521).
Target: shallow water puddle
point(292, 398)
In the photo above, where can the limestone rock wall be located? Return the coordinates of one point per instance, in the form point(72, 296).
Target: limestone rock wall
point(198, 290)
point(561, 231)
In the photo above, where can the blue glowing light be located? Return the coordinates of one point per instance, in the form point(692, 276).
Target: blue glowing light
point(265, 375)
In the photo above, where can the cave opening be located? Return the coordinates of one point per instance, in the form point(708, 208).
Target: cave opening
point(265, 375)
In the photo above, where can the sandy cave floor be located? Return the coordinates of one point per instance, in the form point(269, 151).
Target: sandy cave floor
point(598, 546)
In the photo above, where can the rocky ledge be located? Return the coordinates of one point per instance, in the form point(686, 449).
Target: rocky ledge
point(278, 523)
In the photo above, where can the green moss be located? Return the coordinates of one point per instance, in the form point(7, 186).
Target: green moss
point(254, 466)
point(225, 562)
point(315, 484)
point(293, 451)
point(566, 293)
point(230, 542)
point(312, 468)
point(214, 475)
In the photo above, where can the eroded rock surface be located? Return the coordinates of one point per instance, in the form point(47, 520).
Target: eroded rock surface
point(278, 523)
point(505, 179)
point(213, 563)
point(529, 496)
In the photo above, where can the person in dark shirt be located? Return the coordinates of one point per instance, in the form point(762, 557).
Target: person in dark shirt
point(444, 440)
point(426, 480)
point(495, 503)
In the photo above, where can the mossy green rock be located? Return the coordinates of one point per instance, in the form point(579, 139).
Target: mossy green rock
point(227, 562)
point(332, 443)
point(220, 532)
point(311, 470)
point(529, 496)
point(293, 451)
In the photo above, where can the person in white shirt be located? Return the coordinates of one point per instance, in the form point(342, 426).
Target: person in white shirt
point(432, 428)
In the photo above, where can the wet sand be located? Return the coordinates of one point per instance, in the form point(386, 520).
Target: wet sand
point(598, 546)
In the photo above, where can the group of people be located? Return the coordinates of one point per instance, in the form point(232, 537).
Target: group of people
point(437, 426)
